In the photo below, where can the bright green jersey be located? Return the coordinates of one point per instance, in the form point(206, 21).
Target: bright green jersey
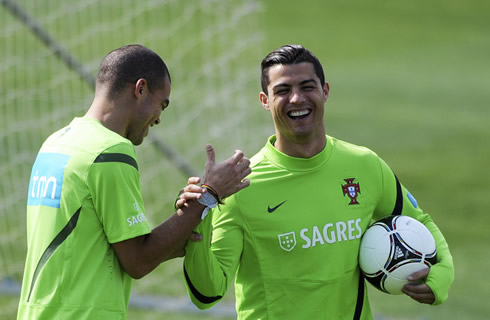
point(292, 237)
point(84, 194)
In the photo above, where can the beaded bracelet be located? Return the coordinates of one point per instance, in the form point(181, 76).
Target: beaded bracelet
point(213, 192)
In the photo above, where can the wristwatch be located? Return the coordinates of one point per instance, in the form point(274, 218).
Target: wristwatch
point(209, 201)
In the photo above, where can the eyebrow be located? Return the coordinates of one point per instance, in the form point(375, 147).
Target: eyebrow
point(288, 85)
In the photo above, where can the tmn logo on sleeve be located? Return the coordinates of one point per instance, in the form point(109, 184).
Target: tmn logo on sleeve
point(47, 180)
point(287, 241)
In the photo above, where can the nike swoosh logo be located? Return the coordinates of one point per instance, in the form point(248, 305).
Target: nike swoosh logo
point(274, 209)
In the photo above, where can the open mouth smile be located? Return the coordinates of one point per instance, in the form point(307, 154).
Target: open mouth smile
point(299, 114)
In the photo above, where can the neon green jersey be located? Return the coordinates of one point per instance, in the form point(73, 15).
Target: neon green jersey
point(292, 237)
point(84, 194)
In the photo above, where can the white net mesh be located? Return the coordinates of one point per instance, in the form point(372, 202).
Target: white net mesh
point(213, 49)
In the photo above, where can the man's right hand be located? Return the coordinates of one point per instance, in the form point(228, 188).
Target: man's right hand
point(227, 177)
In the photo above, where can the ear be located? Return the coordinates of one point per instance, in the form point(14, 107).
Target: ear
point(264, 100)
point(326, 90)
point(140, 88)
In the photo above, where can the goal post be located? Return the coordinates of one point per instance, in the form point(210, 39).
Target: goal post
point(50, 55)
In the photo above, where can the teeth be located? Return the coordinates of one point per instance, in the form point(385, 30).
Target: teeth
point(299, 113)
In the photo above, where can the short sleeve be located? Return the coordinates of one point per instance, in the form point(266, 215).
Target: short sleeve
point(114, 184)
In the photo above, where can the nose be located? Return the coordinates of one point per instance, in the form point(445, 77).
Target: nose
point(296, 96)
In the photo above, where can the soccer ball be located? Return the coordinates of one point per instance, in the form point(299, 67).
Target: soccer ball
point(393, 248)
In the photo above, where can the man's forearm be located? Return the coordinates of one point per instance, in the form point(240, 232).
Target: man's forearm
point(168, 240)
point(141, 255)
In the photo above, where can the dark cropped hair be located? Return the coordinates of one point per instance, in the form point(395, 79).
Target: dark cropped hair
point(127, 64)
point(290, 54)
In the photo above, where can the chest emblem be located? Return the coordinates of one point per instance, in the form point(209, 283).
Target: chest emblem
point(287, 241)
point(270, 210)
point(352, 190)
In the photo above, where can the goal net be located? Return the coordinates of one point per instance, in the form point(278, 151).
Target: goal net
point(50, 52)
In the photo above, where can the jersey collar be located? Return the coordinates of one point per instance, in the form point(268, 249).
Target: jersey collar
point(296, 164)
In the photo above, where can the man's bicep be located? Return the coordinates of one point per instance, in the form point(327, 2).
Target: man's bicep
point(127, 254)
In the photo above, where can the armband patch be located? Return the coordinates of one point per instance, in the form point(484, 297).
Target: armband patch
point(412, 199)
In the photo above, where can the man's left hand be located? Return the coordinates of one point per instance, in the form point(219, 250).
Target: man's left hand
point(417, 289)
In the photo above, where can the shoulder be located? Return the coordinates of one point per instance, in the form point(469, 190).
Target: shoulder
point(262, 166)
point(350, 149)
point(89, 135)
point(360, 159)
point(104, 140)
point(350, 153)
point(98, 139)
point(87, 141)
point(257, 159)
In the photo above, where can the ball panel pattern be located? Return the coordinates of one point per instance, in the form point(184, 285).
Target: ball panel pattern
point(393, 248)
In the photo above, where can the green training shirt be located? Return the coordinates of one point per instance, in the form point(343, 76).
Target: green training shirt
point(84, 194)
point(292, 237)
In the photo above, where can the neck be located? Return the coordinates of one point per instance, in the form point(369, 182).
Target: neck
point(110, 113)
point(301, 148)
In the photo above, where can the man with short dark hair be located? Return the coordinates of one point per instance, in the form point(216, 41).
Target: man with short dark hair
point(292, 238)
point(87, 232)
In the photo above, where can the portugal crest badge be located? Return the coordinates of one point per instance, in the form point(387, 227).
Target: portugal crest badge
point(352, 190)
point(287, 241)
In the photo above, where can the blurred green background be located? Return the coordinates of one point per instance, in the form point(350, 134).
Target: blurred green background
point(409, 80)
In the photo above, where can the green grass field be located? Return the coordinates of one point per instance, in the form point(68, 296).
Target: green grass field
point(409, 80)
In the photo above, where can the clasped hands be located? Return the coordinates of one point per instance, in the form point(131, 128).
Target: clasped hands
point(225, 178)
